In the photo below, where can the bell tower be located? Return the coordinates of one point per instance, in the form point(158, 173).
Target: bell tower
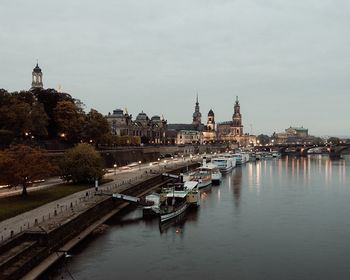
point(197, 116)
point(211, 121)
point(237, 126)
point(37, 77)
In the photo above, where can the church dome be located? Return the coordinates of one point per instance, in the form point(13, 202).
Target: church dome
point(211, 113)
point(155, 118)
point(37, 69)
point(142, 117)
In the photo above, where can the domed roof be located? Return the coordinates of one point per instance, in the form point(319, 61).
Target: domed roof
point(37, 69)
point(142, 117)
point(118, 112)
point(211, 113)
point(155, 118)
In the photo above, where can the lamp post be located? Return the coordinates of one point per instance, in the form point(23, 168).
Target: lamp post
point(115, 169)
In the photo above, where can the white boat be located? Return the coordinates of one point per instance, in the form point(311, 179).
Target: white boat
point(238, 157)
point(223, 163)
point(276, 154)
point(214, 171)
point(245, 157)
point(176, 198)
point(231, 157)
point(151, 210)
point(202, 176)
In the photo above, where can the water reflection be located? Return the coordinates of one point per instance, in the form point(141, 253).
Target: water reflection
point(289, 212)
point(237, 185)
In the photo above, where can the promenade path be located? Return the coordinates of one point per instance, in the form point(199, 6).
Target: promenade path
point(61, 209)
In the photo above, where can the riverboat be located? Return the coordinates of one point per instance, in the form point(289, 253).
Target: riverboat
point(176, 198)
point(214, 172)
point(223, 163)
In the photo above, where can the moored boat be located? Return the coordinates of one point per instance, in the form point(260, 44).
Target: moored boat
point(223, 163)
point(176, 198)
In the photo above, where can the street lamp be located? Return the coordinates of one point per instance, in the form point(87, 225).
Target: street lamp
point(139, 164)
point(115, 168)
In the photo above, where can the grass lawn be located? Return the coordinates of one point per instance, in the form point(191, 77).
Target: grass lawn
point(14, 205)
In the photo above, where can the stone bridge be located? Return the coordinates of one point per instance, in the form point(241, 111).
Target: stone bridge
point(334, 151)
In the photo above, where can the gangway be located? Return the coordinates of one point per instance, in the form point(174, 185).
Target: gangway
point(132, 199)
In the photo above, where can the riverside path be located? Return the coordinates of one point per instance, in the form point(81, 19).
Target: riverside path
point(61, 207)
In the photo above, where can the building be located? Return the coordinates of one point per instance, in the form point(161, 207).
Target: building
point(299, 132)
point(197, 116)
point(37, 77)
point(150, 130)
point(188, 137)
point(232, 131)
point(292, 135)
point(209, 133)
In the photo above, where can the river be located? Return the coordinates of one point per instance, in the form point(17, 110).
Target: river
point(271, 219)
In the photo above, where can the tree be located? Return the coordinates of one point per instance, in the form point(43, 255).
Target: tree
point(81, 164)
point(69, 120)
point(49, 98)
point(333, 140)
point(96, 127)
point(21, 165)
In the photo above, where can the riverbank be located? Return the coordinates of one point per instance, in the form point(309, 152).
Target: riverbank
point(68, 223)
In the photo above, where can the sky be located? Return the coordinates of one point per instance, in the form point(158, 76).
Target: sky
point(287, 61)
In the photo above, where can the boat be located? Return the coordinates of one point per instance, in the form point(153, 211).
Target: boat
point(223, 163)
point(176, 198)
point(238, 158)
point(201, 175)
point(152, 209)
point(245, 157)
point(231, 157)
point(276, 154)
point(214, 172)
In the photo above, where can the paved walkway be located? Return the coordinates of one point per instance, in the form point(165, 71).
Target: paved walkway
point(62, 207)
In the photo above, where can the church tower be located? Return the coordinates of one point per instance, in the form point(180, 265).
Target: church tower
point(237, 120)
point(37, 77)
point(197, 116)
point(211, 121)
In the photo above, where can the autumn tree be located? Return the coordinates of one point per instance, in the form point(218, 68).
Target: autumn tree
point(70, 120)
point(81, 164)
point(21, 165)
point(96, 127)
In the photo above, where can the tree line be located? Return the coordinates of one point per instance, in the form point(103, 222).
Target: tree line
point(48, 114)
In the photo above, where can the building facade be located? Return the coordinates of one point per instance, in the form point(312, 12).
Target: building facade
point(188, 137)
point(209, 133)
point(292, 135)
point(150, 130)
point(232, 131)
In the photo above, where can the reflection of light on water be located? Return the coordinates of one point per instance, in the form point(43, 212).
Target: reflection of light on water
point(293, 167)
point(258, 176)
point(219, 194)
point(280, 168)
point(229, 183)
point(304, 169)
point(250, 175)
point(297, 168)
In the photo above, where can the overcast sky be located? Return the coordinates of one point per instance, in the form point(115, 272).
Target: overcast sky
point(288, 61)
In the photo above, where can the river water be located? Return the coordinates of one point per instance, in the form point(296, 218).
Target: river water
point(272, 219)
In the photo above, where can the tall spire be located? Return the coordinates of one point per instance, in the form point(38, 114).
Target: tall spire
point(197, 99)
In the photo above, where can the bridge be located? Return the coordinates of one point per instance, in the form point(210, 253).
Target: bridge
point(334, 151)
